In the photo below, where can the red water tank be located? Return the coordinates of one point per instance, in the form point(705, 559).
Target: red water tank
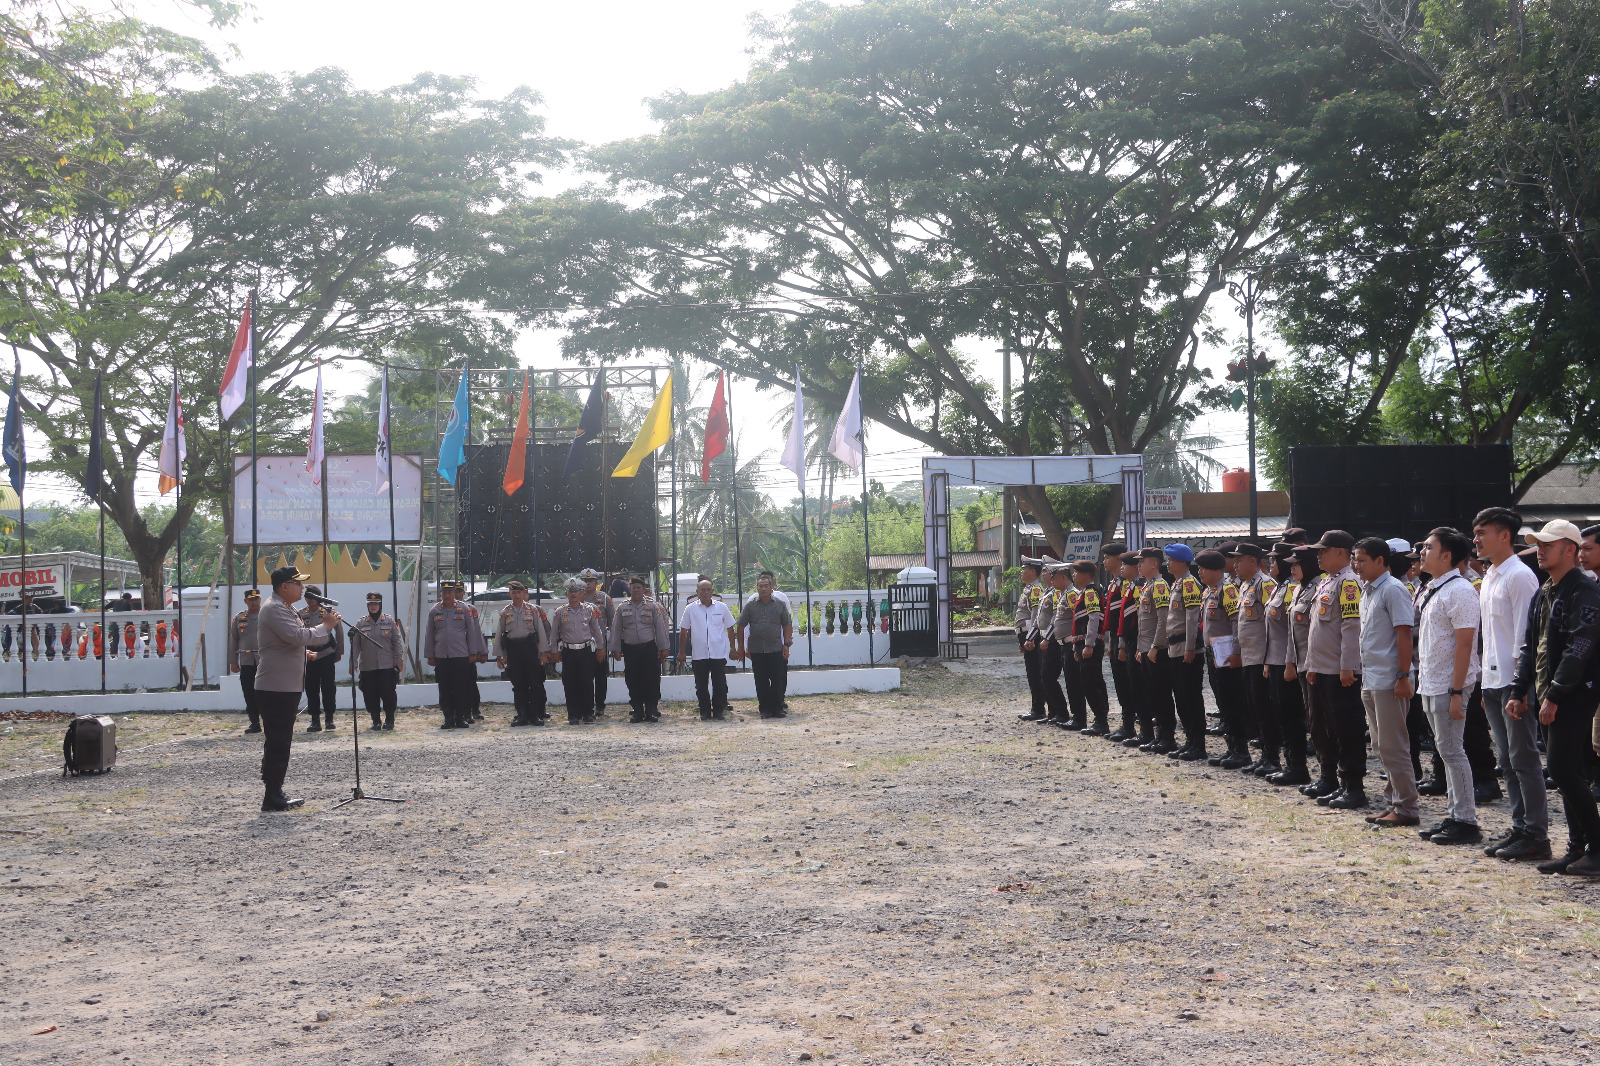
point(1236, 480)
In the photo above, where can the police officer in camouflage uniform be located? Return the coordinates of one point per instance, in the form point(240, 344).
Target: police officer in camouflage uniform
point(377, 652)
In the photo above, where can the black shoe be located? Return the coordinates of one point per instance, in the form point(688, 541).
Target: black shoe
point(1348, 800)
point(1455, 832)
point(1236, 760)
point(277, 801)
point(600, 711)
point(1118, 737)
point(1587, 866)
point(1048, 720)
point(1427, 834)
point(1319, 788)
point(1134, 742)
point(1486, 794)
point(1147, 745)
point(1031, 716)
point(1506, 840)
point(1178, 753)
point(1215, 760)
point(518, 721)
point(253, 729)
point(718, 716)
point(375, 728)
point(477, 717)
point(638, 719)
point(1435, 787)
point(1193, 755)
point(1075, 725)
point(314, 728)
point(1267, 767)
point(705, 716)
point(1290, 776)
point(1328, 797)
point(1163, 746)
point(329, 724)
point(1214, 731)
point(1559, 865)
point(1524, 848)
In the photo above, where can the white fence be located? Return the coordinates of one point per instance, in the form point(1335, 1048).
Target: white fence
point(839, 623)
point(63, 652)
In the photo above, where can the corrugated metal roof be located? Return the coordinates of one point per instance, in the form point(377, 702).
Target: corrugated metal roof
point(958, 561)
point(1181, 528)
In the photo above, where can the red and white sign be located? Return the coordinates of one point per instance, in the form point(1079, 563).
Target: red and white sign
point(42, 581)
point(1163, 503)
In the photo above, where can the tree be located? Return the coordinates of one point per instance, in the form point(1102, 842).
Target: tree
point(365, 219)
point(1072, 179)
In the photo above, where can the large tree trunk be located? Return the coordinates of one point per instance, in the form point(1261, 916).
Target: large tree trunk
point(1039, 502)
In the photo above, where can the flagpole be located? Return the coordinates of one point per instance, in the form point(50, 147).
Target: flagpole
point(605, 496)
point(102, 595)
point(255, 509)
point(322, 446)
point(533, 498)
point(866, 526)
point(394, 549)
point(733, 493)
point(177, 519)
point(672, 575)
point(100, 498)
point(805, 551)
point(22, 532)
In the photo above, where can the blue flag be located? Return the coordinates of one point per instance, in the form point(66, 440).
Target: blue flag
point(11, 441)
point(588, 426)
point(453, 449)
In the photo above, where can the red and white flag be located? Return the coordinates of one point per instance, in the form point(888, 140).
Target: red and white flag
point(716, 429)
point(314, 448)
point(174, 448)
point(236, 378)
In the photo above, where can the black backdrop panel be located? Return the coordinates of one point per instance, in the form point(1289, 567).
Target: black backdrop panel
point(1400, 490)
point(593, 520)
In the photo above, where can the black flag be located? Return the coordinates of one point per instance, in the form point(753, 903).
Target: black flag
point(588, 426)
point(94, 477)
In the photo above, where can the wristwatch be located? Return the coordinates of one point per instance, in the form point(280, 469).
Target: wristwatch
point(1455, 692)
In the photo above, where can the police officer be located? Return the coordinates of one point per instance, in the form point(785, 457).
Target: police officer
point(1256, 587)
point(242, 654)
point(593, 594)
point(283, 647)
point(1306, 574)
point(1041, 639)
point(578, 635)
point(1111, 623)
point(378, 660)
point(1086, 654)
point(453, 644)
point(1126, 654)
point(1186, 651)
point(1028, 606)
point(521, 648)
point(1333, 672)
point(322, 684)
point(639, 640)
point(1284, 694)
point(1219, 613)
point(1155, 672)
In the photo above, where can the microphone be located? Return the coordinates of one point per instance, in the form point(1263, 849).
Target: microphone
point(322, 600)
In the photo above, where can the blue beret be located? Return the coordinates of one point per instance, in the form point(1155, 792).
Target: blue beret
point(1181, 552)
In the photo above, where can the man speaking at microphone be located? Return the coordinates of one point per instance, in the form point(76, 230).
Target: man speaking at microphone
point(282, 650)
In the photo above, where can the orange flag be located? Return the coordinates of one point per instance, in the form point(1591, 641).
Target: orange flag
point(517, 461)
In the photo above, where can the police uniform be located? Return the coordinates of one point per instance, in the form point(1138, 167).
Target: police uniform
point(1186, 653)
point(639, 635)
point(1041, 631)
point(608, 608)
point(1127, 656)
point(321, 680)
point(377, 661)
point(1111, 626)
point(1086, 679)
point(1156, 722)
point(241, 656)
point(1251, 626)
point(1027, 606)
point(282, 640)
point(1285, 695)
point(452, 641)
point(1219, 612)
point(521, 639)
point(577, 633)
point(1333, 644)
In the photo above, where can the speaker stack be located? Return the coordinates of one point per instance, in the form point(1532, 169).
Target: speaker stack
point(1402, 490)
point(552, 525)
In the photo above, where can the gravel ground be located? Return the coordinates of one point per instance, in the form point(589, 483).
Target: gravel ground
point(910, 877)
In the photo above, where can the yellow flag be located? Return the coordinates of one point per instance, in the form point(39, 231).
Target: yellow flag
point(655, 432)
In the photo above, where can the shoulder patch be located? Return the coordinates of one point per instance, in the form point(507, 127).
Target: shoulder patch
point(1230, 599)
point(1162, 590)
point(1192, 591)
point(1090, 599)
point(1349, 599)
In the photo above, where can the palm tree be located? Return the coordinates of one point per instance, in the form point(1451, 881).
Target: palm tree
point(1178, 459)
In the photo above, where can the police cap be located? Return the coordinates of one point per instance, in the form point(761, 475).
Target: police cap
point(287, 573)
point(1336, 538)
point(1211, 559)
point(590, 574)
point(252, 594)
point(1084, 566)
point(374, 597)
point(516, 586)
point(1255, 551)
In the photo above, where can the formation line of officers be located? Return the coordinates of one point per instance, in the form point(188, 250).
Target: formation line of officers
point(1328, 647)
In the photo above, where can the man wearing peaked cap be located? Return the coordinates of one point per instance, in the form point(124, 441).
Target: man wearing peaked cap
point(1256, 586)
point(453, 644)
point(593, 593)
point(321, 682)
point(1032, 658)
point(242, 654)
point(521, 649)
point(1154, 672)
point(1186, 652)
point(1086, 689)
point(1111, 623)
point(283, 645)
point(1333, 675)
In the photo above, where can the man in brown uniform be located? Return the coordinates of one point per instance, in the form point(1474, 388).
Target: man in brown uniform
point(1156, 725)
point(1219, 607)
point(1256, 588)
point(1186, 651)
point(521, 648)
point(453, 644)
point(578, 636)
point(322, 685)
point(1333, 673)
point(1028, 606)
point(639, 639)
point(1085, 658)
point(593, 594)
point(282, 652)
point(242, 654)
point(377, 652)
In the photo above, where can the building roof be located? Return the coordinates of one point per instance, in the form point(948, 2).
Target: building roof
point(1177, 529)
point(958, 561)
point(1567, 492)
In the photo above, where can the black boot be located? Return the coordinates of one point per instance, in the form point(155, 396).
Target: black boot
point(1294, 773)
point(1325, 785)
point(1238, 755)
point(275, 800)
point(1165, 742)
point(652, 713)
point(1195, 750)
point(1268, 764)
point(1352, 798)
point(1100, 727)
point(316, 724)
point(388, 721)
point(255, 724)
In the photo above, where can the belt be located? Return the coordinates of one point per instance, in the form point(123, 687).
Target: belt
point(589, 644)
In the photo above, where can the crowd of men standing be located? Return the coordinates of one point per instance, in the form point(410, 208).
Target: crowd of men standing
point(1459, 645)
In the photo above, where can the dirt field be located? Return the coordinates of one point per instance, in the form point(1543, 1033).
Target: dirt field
point(915, 877)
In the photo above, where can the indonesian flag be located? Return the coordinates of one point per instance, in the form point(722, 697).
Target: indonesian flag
point(716, 429)
point(174, 448)
point(236, 379)
point(383, 434)
point(314, 447)
point(517, 460)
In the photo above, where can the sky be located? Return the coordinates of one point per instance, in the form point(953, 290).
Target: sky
point(595, 65)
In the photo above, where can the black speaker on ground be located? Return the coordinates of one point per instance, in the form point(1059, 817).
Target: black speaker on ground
point(551, 525)
point(1395, 490)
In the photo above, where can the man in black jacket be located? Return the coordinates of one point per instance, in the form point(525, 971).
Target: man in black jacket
point(1559, 673)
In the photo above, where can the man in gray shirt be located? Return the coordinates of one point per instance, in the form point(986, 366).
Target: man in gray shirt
point(1387, 618)
point(771, 632)
point(283, 648)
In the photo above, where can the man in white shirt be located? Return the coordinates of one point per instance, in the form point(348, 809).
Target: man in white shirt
point(707, 626)
point(1508, 587)
point(1446, 668)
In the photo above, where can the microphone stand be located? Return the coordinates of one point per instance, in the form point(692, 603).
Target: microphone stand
point(355, 738)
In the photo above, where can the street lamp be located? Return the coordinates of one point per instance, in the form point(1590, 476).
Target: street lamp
point(1247, 295)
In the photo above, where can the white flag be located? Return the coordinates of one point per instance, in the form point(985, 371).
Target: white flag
point(383, 433)
point(794, 453)
point(174, 448)
point(314, 448)
point(846, 443)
